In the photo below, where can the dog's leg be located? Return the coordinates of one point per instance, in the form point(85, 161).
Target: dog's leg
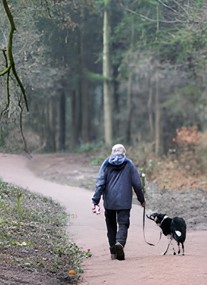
point(178, 247)
point(183, 249)
point(174, 252)
point(172, 245)
point(167, 247)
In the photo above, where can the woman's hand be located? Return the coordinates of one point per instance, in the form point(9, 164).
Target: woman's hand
point(96, 209)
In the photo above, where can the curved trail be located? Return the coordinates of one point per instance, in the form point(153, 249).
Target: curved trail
point(143, 265)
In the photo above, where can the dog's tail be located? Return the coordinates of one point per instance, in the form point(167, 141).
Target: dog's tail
point(178, 228)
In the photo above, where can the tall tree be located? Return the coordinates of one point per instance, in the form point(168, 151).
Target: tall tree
point(157, 128)
point(107, 91)
point(84, 85)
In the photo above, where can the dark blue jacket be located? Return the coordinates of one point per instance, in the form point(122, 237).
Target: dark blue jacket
point(117, 176)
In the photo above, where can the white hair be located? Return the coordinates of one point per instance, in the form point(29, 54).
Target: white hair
point(118, 148)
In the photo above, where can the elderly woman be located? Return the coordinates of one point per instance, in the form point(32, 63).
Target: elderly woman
point(116, 180)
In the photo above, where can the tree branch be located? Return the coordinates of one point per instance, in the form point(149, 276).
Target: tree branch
point(8, 54)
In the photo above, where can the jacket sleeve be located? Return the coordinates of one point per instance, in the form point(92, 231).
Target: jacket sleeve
point(100, 183)
point(137, 185)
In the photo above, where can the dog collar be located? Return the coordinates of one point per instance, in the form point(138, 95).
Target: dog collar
point(165, 217)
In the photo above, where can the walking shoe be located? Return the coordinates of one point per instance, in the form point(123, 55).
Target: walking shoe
point(119, 251)
point(113, 256)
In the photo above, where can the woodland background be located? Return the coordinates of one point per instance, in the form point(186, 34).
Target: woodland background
point(81, 75)
point(97, 72)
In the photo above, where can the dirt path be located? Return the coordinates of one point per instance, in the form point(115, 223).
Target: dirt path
point(143, 264)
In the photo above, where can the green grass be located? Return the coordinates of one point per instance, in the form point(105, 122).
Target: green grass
point(33, 234)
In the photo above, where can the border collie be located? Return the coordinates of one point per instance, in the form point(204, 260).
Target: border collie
point(173, 228)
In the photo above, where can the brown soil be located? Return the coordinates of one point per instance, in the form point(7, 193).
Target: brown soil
point(144, 264)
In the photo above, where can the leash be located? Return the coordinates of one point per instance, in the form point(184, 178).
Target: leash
point(152, 244)
point(143, 181)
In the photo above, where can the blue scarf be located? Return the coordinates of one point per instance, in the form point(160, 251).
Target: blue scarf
point(117, 159)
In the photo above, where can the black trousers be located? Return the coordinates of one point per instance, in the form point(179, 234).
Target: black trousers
point(117, 223)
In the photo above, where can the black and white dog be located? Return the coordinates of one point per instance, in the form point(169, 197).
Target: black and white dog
point(174, 228)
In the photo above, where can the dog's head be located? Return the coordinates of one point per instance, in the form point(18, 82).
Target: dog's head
point(156, 217)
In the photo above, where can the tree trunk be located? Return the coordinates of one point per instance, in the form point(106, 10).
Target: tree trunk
point(62, 122)
point(150, 112)
point(75, 119)
point(129, 87)
point(107, 92)
point(84, 93)
point(129, 109)
point(157, 117)
point(51, 125)
point(85, 112)
point(157, 96)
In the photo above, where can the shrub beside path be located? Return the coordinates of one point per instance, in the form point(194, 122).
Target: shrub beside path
point(143, 265)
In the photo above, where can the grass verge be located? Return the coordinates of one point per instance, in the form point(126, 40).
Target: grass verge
point(33, 235)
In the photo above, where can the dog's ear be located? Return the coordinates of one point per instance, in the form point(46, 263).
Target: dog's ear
point(149, 213)
point(152, 216)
